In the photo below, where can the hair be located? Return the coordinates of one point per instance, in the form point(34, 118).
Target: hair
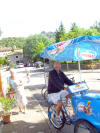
point(57, 63)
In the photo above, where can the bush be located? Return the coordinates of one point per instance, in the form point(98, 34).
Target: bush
point(3, 60)
point(6, 104)
point(11, 65)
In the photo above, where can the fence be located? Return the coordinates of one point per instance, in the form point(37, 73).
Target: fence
point(73, 66)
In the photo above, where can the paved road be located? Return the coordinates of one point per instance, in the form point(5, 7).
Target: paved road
point(37, 82)
point(92, 80)
point(34, 120)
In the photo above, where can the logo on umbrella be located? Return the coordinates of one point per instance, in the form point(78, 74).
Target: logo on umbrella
point(85, 54)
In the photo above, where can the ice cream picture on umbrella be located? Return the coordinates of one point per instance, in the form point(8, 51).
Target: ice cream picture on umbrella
point(87, 108)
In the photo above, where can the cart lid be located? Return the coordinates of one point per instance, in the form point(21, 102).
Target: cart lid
point(78, 87)
point(91, 95)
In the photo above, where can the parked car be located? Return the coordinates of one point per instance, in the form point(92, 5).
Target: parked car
point(30, 65)
point(25, 65)
point(34, 64)
point(20, 65)
point(38, 64)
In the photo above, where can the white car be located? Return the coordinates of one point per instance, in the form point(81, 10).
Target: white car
point(20, 65)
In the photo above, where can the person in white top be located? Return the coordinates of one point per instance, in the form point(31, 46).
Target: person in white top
point(18, 87)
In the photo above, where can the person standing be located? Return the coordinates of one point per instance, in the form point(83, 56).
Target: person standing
point(17, 86)
point(27, 76)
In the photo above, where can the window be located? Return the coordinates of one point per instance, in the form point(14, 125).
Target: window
point(17, 62)
point(16, 56)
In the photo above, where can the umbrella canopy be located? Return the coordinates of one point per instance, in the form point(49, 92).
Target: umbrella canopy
point(81, 48)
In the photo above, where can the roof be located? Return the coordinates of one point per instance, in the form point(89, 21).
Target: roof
point(16, 52)
point(5, 49)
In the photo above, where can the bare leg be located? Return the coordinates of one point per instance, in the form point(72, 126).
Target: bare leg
point(19, 109)
point(24, 108)
point(59, 107)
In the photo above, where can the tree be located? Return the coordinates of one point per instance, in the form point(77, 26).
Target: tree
point(0, 32)
point(3, 60)
point(96, 26)
point(60, 34)
point(74, 27)
point(12, 41)
point(49, 34)
point(38, 49)
point(76, 31)
point(34, 43)
point(92, 32)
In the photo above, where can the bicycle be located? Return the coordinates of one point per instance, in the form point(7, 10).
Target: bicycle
point(44, 92)
point(86, 115)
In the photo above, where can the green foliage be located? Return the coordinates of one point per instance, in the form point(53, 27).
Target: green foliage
point(34, 43)
point(77, 31)
point(0, 32)
point(38, 49)
point(6, 104)
point(60, 34)
point(49, 34)
point(8, 89)
point(12, 42)
point(11, 65)
point(3, 60)
point(96, 26)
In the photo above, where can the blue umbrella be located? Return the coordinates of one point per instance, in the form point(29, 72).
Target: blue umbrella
point(81, 48)
point(77, 49)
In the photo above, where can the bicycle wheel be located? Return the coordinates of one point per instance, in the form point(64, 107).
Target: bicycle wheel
point(83, 126)
point(52, 115)
point(46, 95)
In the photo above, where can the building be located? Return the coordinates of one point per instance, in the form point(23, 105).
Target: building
point(16, 56)
point(5, 51)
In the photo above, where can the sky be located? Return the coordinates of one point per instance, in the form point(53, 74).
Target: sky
point(21, 18)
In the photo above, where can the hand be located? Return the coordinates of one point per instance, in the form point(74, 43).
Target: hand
point(20, 81)
point(12, 91)
point(69, 96)
point(65, 88)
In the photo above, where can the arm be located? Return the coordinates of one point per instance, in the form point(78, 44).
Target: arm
point(12, 89)
point(67, 80)
point(55, 81)
point(20, 83)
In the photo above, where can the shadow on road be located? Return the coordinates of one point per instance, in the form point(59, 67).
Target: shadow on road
point(41, 100)
point(25, 127)
point(32, 103)
point(36, 96)
point(34, 87)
